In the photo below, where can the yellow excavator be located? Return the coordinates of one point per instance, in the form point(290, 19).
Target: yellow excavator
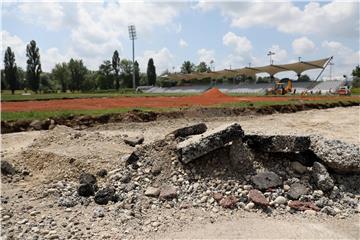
point(280, 88)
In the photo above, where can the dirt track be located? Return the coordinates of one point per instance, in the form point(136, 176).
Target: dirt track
point(46, 155)
point(212, 97)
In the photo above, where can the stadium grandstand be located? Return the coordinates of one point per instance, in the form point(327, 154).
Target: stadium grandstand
point(199, 82)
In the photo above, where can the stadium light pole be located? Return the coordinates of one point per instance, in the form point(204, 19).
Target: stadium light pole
point(270, 53)
point(132, 35)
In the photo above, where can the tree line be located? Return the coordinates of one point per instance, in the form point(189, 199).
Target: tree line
point(73, 75)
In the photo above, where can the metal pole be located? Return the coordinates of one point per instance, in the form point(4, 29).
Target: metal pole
point(133, 51)
point(324, 68)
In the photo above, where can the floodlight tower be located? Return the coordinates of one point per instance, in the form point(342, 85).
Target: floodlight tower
point(270, 53)
point(132, 35)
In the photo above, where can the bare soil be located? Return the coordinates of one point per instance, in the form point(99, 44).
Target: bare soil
point(209, 98)
point(63, 153)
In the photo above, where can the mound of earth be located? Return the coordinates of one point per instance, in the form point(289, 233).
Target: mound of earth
point(213, 93)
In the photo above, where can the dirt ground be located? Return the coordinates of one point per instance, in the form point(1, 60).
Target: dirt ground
point(62, 153)
point(212, 97)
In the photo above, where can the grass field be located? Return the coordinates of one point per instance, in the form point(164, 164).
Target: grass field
point(6, 96)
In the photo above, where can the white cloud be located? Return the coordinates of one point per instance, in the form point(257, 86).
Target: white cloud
point(303, 45)
point(206, 55)
point(345, 58)
point(330, 19)
point(240, 44)
point(183, 43)
point(280, 54)
point(163, 59)
point(48, 14)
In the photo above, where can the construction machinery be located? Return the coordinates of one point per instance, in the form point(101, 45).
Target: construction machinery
point(280, 88)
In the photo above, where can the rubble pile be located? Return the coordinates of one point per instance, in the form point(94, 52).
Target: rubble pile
point(221, 169)
point(276, 174)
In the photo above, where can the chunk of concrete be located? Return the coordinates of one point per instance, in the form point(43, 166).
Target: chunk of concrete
point(199, 145)
point(190, 130)
point(336, 155)
point(321, 177)
point(278, 143)
point(266, 180)
point(133, 141)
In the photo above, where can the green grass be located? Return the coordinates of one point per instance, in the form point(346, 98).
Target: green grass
point(6, 96)
point(355, 91)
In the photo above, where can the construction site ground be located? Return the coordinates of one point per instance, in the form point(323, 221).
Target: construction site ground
point(101, 147)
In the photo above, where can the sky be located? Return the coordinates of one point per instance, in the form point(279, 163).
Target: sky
point(231, 34)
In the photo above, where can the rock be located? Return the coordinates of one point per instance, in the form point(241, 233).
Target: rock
point(190, 130)
point(126, 178)
point(36, 124)
point(278, 143)
point(318, 194)
point(280, 200)
point(338, 156)
point(321, 177)
point(286, 187)
point(217, 196)
point(249, 206)
point(228, 202)
point(130, 158)
point(310, 212)
point(67, 201)
point(156, 170)
point(322, 202)
point(266, 180)
point(258, 198)
point(168, 193)
point(99, 212)
point(102, 173)
point(302, 206)
point(86, 190)
point(328, 210)
point(105, 195)
point(152, 192)
point(133, 141)
point(87, 178)
point(296, 191)
point(298, 167)
point(199, 145)
point(7, 168)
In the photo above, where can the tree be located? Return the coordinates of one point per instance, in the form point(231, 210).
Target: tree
point(202, 67)
point(304, 78)
point(137, 73)
point(77, 74)
point(45, 82)
point(151, 72)
point(10, 70)
point(126, 67)
point(356, 77)
point(105, 75)
point(61, 74)
point(356, 71)
point(33, 69)
point(187, 67)
point(21, 78)
point(116, 67)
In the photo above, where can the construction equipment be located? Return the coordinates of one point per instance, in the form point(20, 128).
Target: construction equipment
point(280, 89)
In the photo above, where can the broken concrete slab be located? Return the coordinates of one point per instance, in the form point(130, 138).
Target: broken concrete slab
point(336, 155)
point(199, 145)
point(241, 156)
point(190, 130)
point(278, 143)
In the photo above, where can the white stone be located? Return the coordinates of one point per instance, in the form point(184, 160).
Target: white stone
point(249, 206)
point(280, 200)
